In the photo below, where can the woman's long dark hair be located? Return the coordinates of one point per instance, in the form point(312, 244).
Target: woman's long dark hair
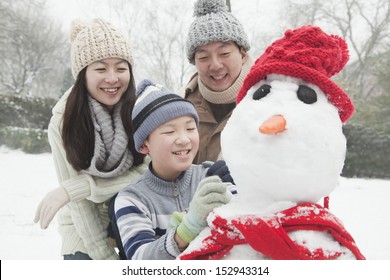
point(78, 133)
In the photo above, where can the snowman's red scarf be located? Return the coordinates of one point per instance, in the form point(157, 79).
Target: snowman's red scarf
point(269, 235)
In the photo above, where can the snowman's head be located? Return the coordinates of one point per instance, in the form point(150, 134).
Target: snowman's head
point(297, 156)
point(309, 54)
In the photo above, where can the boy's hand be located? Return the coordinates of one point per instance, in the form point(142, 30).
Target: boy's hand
point(211, 193)
point(175, 220)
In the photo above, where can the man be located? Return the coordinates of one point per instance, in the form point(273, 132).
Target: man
point(217, 45)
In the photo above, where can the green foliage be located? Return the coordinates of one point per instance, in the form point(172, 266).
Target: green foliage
point(29, 140)
point(368, 135)
point(23, 122)
point(27, 112)
point(382, 70)
point(368, 152)
point(374, 113)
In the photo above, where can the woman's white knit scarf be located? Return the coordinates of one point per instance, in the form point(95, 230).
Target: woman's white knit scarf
point(112, 156)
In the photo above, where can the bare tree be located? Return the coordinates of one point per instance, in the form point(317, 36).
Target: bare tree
point(31, 52)
point(301, 13)
point(162, 48)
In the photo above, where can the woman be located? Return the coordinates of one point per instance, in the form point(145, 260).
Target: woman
point(90, 134)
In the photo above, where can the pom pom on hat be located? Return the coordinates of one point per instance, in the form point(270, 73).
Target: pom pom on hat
point(309, 54)
point(76, 26)
point(96, 40)
point(156, 105)
point(213, 22)
point(204, 7)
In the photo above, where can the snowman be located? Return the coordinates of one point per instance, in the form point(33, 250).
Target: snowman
point(285, 149)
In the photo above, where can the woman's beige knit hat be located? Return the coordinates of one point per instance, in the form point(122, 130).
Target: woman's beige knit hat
point(96, 40)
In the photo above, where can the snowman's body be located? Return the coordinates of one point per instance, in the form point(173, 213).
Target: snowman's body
point(299, 164)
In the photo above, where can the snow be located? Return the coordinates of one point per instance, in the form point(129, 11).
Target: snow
point(24, 180)
point(362, 204)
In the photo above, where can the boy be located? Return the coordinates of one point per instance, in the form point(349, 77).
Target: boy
point(166, 128)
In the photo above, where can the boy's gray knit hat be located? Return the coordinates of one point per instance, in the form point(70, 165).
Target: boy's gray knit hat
point(214, 23)
point(155, 106)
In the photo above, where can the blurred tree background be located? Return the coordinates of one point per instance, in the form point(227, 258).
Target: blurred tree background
point(35, 66)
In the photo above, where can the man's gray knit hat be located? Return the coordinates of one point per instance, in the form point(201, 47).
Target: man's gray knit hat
point(155, 106)
point(214, 23)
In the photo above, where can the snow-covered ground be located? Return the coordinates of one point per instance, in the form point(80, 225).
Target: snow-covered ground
point(24, 180)
point(363, 205)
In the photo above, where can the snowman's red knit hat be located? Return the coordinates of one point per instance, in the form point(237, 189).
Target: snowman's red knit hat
point(309, 54)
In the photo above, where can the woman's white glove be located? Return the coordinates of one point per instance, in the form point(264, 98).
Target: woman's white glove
point(49, 206)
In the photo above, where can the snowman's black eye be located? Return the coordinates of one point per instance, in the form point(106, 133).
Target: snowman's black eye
point(261, 92)
point(306, 95)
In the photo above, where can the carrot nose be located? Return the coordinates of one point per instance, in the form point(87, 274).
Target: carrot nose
point(273, 125)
